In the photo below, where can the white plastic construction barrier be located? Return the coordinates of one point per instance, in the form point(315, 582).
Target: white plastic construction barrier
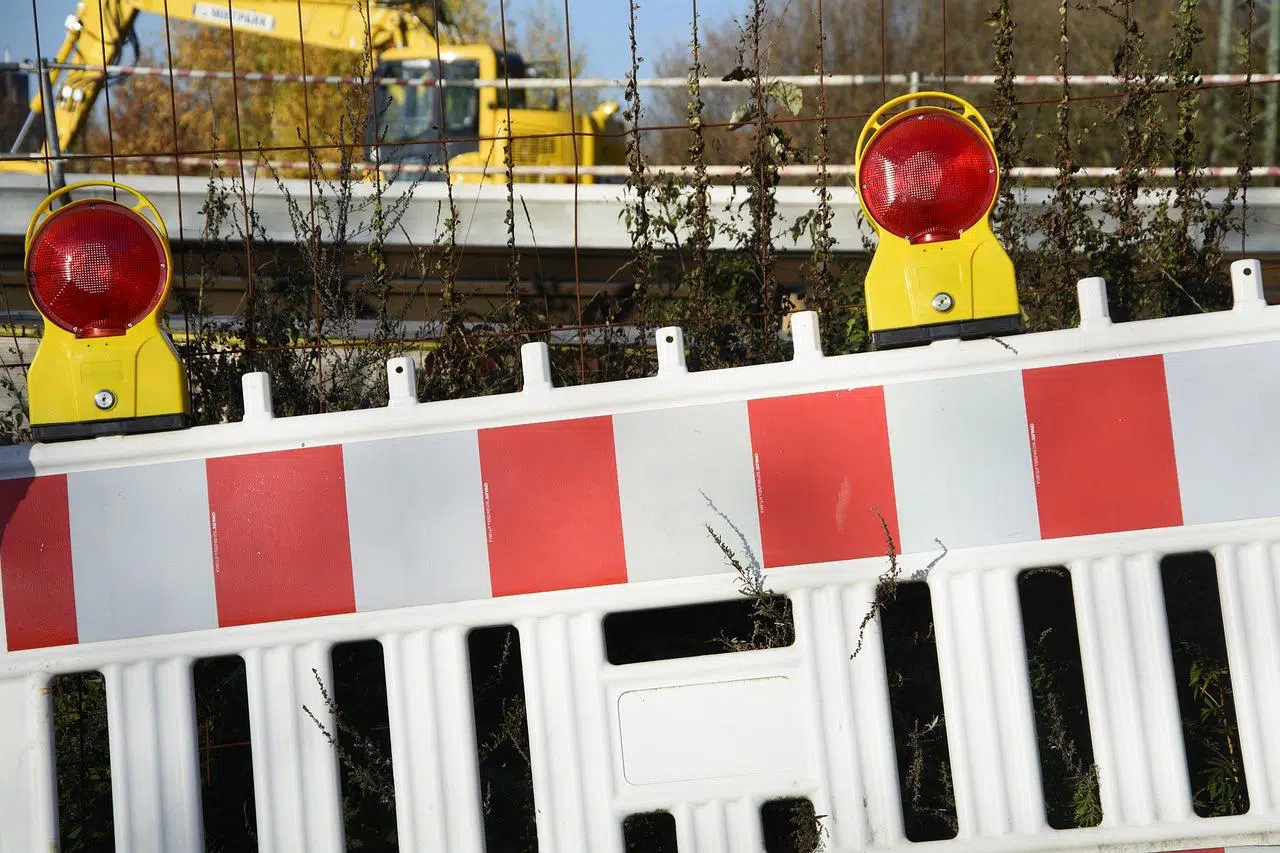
point(1098, 448)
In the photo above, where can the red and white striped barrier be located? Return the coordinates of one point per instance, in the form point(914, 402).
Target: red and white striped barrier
point(1098, 448)
point(1038, 453)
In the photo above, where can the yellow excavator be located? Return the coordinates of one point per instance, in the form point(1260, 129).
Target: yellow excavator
point(412, 125)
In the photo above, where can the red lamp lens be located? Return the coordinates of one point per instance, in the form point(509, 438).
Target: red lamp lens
point(928, 177)
point(96, 269)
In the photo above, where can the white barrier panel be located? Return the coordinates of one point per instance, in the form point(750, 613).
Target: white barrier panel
point(1099, 449)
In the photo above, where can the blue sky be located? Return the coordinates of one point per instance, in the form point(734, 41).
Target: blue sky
point(601, 25)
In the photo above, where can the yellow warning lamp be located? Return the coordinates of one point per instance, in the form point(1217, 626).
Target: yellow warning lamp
point(98, 271)
point(927, 178)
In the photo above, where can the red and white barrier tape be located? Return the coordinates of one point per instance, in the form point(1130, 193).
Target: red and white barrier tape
point(807, 80)
point(793, 171)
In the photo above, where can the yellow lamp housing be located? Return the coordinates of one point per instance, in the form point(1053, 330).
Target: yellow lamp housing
point(927, 178)
point(99, 271)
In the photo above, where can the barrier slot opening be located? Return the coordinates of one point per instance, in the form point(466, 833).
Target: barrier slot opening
point(364, 734)
point(82, 761)
point(691, 630)
point(791, 825)
point(919, 719)
point(502, 740)
point(1056, 672)
point(1199, 647)
point(226, 756)
point(649, 832)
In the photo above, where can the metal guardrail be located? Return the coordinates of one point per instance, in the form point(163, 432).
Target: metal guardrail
point(914, 81)
point(803, 80)
point(839, 170)
point(545, 212)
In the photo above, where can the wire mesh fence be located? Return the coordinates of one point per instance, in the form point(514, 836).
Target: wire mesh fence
point(373, 126)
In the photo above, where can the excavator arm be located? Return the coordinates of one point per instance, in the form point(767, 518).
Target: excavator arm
point(99, 30)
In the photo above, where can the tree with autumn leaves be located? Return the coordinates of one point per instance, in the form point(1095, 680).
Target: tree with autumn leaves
point(136, 116)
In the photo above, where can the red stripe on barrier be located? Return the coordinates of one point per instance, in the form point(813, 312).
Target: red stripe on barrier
point(552, 513)
point(824, 477)
point(1102, 447)
point(281, 548)
point(35, 563)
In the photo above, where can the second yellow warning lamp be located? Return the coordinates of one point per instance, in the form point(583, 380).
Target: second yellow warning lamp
point(99, 271)
point(927, 178)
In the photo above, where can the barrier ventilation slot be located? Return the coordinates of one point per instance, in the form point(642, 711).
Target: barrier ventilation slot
point(649, 832)
point(1063, 738)
point(919, 720)
point(82, 761)
point(226, 757)
point(690, 630)
point(502, 740)
point(791, 826)
point(1200, 667)
point(359, 697)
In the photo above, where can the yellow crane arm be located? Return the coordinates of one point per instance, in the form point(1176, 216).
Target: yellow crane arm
point(99, 29)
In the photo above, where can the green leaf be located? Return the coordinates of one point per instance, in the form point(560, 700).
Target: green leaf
point(781, 144)
point(786, 94)
point(742, 114)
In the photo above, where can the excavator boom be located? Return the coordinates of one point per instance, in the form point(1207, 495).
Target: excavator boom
point(99, 30)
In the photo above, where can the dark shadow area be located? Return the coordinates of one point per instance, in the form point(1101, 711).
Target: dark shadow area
point(502, 740)
point(1063, 737)
point(649, 832)
point(1199, 648)
point(791, 826)
point(364, 733)
point(226, 756)
point(82, 762)
point(919, 725)
point(690, 630)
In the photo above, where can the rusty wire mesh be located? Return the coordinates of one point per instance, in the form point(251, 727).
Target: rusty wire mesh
point(576, 314)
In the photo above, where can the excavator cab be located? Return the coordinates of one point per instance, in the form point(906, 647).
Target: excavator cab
point(416, 122)
point(409, 124)
point(411, 121)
